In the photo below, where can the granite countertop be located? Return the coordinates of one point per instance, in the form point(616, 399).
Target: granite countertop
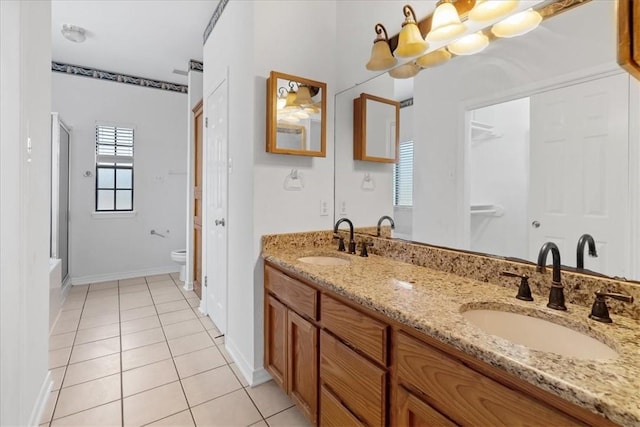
point(431, 302)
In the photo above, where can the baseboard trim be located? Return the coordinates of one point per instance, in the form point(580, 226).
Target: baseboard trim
point(41, 401)
point(253, 376)
point(260, 376)
point(83, 280)
point(188, 285)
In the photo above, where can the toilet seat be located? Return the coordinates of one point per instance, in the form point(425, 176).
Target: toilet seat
point(179, 256)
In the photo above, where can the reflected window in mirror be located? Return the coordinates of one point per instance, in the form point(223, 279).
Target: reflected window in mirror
point(296, 115)
point(403, 176)
point(376, 129)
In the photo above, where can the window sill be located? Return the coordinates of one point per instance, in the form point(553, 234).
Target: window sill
point(113, 215)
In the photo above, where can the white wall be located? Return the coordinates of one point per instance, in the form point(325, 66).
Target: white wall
point(258, 204)
point(498, 173)
point(25, 87)
point(102, 246)
point(194, 80)
point(573, 43)
point(222, 61)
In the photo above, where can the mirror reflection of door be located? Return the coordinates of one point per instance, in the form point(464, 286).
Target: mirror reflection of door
point(197, 201)
point(551, 168)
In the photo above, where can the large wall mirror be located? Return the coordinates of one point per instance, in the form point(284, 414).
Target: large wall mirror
point(535, 139)
point(296, 115)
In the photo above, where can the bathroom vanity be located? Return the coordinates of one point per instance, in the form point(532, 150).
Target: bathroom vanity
point(377, 341)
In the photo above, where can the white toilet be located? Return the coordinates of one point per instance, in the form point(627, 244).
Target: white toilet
point(180, 256)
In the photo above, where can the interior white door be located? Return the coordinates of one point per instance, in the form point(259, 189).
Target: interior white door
point(579, 142)
point(216, 120)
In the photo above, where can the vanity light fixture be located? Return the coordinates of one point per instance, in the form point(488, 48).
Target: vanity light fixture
point(445, 23)
point(303, 98)
point(410, 41)
point(73, 33)
point(381, 56)
point(434, 58)
point(405, 71)
point(487, 10)
point(469, 45)
point(518, 24)
point(282, 98)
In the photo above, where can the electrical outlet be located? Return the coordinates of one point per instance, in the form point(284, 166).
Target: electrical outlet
point(324, 208)
point(343, 207)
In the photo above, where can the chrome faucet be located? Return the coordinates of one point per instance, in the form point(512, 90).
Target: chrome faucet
point(556, 296)
point(584, 239)
point(352, 243)
point(382, 218)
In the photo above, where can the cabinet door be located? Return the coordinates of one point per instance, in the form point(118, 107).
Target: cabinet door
point(413, 412)
point(302, 365)
point(275, 341)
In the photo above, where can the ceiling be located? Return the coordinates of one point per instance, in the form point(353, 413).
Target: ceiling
point(143, 38)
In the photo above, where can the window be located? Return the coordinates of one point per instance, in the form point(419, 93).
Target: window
point(403, 176)
point(114, 168)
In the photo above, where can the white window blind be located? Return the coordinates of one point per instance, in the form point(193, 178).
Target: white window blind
point(114, 145)
point(403, 176)
point(114, 168)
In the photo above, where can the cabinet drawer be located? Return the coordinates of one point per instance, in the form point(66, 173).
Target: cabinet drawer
point(466, 396)
point(298, 296)
point(361, 331)
point(333, 413)
point(359, 384)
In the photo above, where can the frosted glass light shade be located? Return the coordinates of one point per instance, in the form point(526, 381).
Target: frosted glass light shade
point(445, 24)
point(434, 58)
point(410, 41)
point(405, 71)
point(469, 45)
point(291, 99)
point(518, 24)
point(381, 57)
point(486, 10)
point(304, 96)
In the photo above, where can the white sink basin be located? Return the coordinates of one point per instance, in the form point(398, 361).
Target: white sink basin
point(539, 334)
point(324, 260)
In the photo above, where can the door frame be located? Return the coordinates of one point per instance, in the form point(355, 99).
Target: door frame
point(581, 76)
point(190, 274)
point(207, 219)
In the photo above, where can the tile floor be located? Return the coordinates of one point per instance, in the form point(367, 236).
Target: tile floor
point(138, 352)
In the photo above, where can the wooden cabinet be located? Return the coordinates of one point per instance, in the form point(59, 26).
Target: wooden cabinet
point(291, 340)
point(464, 395)
point(275, 352)
point(333, 413)
point(345, 365)
point(302, 362)
point(413, 412)
point(353, 358)
point(359, 384)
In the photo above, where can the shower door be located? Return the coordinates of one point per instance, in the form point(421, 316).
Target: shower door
point(60, 194)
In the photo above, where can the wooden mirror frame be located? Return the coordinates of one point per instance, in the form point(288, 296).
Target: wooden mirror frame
point(360, 128)
point(629, 36)
point(272, 114)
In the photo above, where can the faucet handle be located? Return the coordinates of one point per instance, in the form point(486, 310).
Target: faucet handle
point(600, 311)
point(524, 291)
point(363, 248)
point(341, 247)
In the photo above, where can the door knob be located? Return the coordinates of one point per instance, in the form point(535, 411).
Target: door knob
point(219, 222)
point(535, 224)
